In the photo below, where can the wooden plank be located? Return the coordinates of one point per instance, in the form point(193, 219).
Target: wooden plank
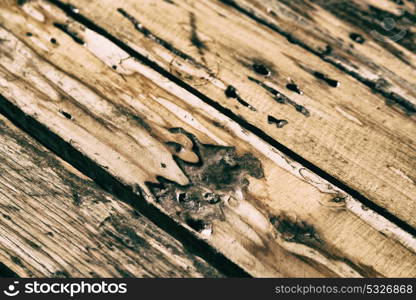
point(345, 130)
point(266, 213)
point(55, 222)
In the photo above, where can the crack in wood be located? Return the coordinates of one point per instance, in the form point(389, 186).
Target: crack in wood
point(279, 123)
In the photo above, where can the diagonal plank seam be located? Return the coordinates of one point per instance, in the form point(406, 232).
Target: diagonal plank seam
point(73, 13)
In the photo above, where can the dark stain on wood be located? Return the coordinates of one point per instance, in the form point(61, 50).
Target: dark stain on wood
point(295, 230)
point(17, 261)
point(408, 107)
point(123, 234)
point(76, 198)
point(170, 2)
point(261, 69)
point(131, 238)
point(60, 274)
point(32, 244)
point(7, 217)
point(259, 65)
point(339, 199)
point(327, 51)
point(195, 40)
point(123, 273)
point(219, 173)
point(231, 92)
point(72, 8)
point(140, 120)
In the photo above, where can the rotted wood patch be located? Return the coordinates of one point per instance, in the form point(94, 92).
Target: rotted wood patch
point(219, 175)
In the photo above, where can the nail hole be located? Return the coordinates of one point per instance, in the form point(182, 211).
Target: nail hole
point(231, 92)
point(294, 88)
point(66, 115)
point(358, 38)
point(261, 69)
point(329, 81)
point(277, 122)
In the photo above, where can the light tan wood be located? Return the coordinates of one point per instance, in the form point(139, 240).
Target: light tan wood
point(348, 131)
point(269, 215)
point(55, 222)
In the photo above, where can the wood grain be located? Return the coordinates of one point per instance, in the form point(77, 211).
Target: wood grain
point(56, 222)
point(324, 115)
point(77, 91)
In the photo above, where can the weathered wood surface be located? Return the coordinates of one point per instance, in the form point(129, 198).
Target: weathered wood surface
point(55, 222)
point(266, 213)
point(348, 131)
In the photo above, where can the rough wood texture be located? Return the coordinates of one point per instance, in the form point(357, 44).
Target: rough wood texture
point(266, 213)
point(284, 90)
point(54, 222)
